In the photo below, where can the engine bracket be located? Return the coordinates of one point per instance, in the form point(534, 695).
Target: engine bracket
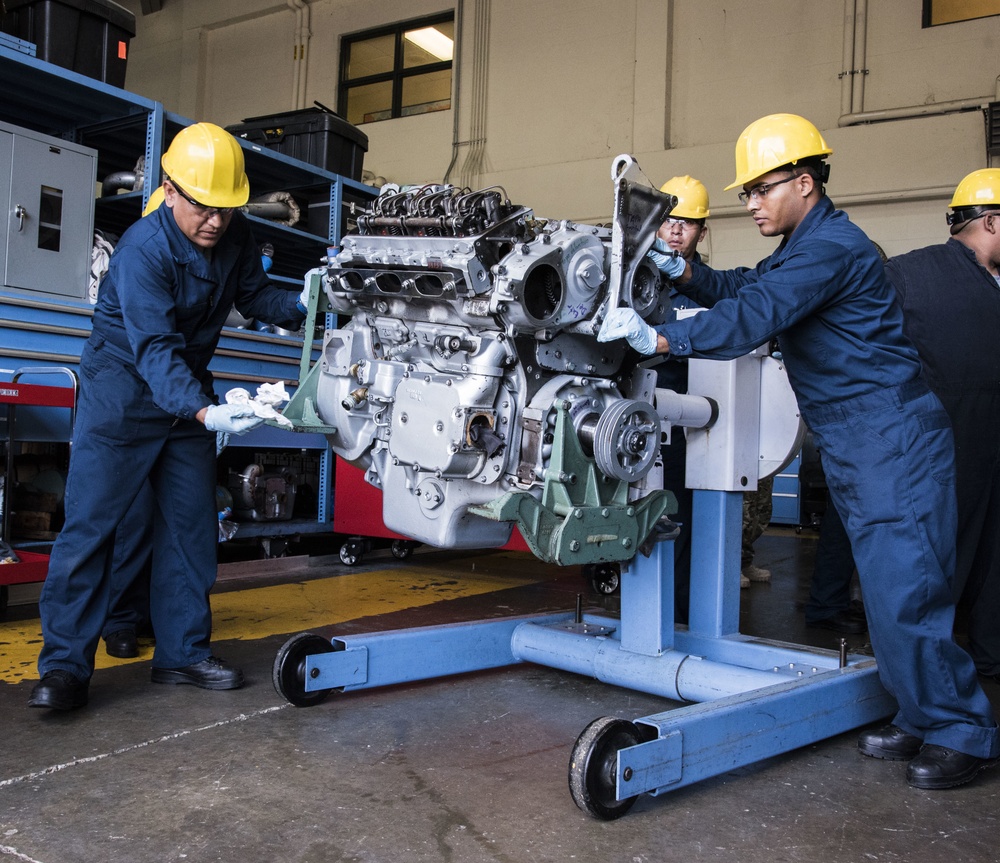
point(583, 516)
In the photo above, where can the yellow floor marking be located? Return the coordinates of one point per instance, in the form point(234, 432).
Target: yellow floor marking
point(288, 608)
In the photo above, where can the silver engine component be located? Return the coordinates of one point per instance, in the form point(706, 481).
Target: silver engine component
point(468, 360)
point(263, 496)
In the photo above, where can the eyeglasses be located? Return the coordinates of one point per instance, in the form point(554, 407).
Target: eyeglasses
point(760, 190)
point(203, 210)
point(683, 224)
point(959, 218)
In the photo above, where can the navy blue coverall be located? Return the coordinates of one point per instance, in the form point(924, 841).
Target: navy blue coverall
point(886, 444)
point(143, 378)
point(951, 311)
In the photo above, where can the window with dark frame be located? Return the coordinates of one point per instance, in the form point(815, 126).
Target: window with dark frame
point(397, 71)
point(937, 12)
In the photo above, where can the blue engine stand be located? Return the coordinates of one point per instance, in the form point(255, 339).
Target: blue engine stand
point(753, 698)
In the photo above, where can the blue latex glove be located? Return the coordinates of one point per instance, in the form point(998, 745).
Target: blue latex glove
point(234, 419)
point(221, 442)
point(667, 260)
point(303, 301)
point(624, 323)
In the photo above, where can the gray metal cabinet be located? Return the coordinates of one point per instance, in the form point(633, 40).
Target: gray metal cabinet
point(47, 192)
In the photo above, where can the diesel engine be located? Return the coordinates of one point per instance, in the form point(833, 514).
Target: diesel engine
point(466, 380)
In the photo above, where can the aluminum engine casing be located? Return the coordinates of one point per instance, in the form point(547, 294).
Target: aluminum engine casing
point(465, 323)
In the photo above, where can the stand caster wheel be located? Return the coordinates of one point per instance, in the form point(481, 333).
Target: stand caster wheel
point(593, 767)
point(289, 671)
point(401, 549)
point(605, 578)
point(351, 552)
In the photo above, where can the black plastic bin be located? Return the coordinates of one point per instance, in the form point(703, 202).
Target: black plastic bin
point(88, 36)
point(321, 138)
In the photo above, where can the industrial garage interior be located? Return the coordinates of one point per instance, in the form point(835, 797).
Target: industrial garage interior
point(412, 688)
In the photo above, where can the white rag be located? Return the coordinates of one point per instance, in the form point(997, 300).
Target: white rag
point(265, 404)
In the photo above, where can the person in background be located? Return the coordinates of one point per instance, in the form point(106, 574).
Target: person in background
point(950, 295)
point(131, 567)
point(830, 605)
point(147, 412)
point(757, 509)
point(885, 438)
point(131, 571)
point(684, 229)
point(132, 562)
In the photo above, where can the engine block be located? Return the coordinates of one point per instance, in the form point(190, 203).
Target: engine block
point(466, 380)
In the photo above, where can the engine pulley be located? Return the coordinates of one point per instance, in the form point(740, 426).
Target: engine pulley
point(627, 440)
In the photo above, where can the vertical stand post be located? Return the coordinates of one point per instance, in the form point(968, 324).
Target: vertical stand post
point(716, 528)
point(647, 609)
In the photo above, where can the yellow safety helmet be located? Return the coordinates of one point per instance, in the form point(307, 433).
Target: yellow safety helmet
point(692, 197)
point(773, 141)
point(977, 192)
point(154, 201)
point(207, 163)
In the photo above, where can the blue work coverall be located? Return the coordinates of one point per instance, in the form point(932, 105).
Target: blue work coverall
point(672, 374)
point(143, 378)
point(951, 311)
point(886, 444)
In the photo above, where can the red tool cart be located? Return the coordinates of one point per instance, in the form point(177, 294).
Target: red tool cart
point(32, 566)
point(357, 512)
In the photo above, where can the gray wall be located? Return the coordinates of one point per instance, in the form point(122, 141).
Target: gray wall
point(563, 86)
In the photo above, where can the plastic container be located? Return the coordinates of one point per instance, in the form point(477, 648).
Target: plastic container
point(88, 36)
point(321, 138)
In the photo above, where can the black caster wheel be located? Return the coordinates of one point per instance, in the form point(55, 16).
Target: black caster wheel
point(289, 671)
point(606, 578)
point(401, 549)
point(4, 596)
point(351, 552)
point(593, 767)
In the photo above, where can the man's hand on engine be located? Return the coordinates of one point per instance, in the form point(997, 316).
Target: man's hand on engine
point(667, 260)
point(624, 323)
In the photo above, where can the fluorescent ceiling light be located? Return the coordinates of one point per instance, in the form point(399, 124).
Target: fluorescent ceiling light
point(433, 41)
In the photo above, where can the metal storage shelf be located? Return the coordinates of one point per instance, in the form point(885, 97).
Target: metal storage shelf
point(56, 101)
point(122, 126)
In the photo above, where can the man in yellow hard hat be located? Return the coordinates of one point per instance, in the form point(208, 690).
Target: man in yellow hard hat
point(951, 309)
point(681, 232)
point(885, 438)
point(148, 411)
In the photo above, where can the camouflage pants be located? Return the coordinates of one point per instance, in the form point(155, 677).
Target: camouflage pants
point(756, 518)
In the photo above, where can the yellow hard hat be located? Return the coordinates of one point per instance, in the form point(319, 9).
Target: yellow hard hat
point(980, 189)
point(207, 163)
point(692, 197)
point(154, 201)
point(773, 141)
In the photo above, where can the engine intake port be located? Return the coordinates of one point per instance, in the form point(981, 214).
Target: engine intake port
point(389, 283)
point(543, 292)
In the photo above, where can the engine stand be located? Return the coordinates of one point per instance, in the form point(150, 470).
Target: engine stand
point(753, 698)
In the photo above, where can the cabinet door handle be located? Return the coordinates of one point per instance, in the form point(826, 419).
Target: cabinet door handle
point(20, 212)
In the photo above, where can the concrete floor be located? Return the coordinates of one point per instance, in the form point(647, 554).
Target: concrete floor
point(462, 769)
